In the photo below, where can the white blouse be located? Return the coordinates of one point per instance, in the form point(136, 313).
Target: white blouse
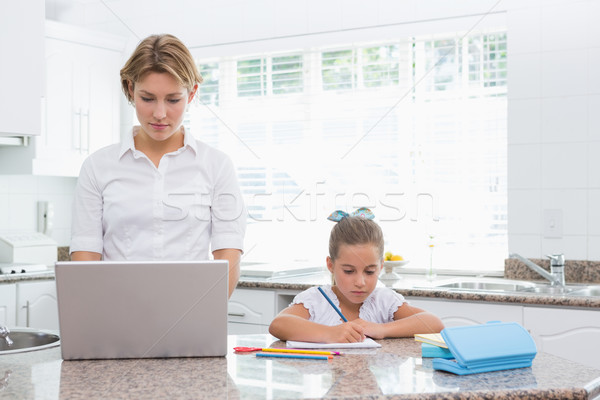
point(126, 208)
point(379, 307)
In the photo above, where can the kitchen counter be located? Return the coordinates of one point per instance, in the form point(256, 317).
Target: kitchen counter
point(416, 286)
point(393, 371)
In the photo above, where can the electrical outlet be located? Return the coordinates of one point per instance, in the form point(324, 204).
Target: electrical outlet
point(553, 224)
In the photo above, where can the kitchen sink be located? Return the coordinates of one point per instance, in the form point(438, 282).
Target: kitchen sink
point(28, 340)
point(485, 285)
point(586, 291)
point(500, 285)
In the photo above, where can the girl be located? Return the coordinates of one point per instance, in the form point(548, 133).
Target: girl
point(355, 261)
point(161, 194)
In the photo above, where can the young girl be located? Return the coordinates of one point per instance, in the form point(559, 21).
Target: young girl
point(355, 261)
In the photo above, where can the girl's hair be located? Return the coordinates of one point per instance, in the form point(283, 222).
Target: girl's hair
point(160, 53)
point(355, 230)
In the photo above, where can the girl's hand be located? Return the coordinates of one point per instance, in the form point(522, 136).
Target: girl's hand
point(371, 329)
point(348, 332)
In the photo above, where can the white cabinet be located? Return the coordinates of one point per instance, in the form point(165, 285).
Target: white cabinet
point(82, 99)
point(8, 304)
point(250, 311)
point(81, 104)
point(22, 67)
point(37, 306)
point(568, 333)
point(457, 313)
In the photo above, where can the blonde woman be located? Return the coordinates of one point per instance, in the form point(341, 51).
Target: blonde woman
point(160, 194)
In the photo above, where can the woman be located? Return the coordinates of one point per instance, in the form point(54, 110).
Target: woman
point(160, 194)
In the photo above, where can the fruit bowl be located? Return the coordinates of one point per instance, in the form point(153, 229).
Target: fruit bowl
point(394, 264)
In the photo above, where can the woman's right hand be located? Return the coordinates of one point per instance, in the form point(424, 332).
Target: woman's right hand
point(348, 332)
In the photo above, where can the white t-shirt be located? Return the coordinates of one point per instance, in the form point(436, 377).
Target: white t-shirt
point(128, 209)
point(379, 307)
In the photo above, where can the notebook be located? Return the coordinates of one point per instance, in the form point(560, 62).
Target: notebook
point(110, 310)
point(368, 343)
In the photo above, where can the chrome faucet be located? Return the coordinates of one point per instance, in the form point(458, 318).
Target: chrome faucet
point(4, 335)
point(556, 276)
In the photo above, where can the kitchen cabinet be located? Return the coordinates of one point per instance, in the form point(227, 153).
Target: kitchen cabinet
point(81, 105)
point(457, 313)
point(8, 304)
point(82, 99)
point(36, 305)
point(250, 311)
point(572, 334)
point(22, 67)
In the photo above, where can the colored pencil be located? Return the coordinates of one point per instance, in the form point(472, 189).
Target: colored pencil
point(337, 310)
point(304, 356)
point(301, 351)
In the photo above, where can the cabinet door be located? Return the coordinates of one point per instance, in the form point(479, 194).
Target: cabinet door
point(82, 106)
point(21, 69)
point(36, 305)
point(249, 306)
point(570, 334)
point(8, 304)
point(457, 313)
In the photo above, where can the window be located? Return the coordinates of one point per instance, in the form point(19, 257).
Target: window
point(413, 128)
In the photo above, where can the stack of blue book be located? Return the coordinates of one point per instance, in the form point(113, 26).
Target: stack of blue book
point(484, 348)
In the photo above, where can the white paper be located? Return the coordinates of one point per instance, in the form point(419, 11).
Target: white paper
point(367, 343)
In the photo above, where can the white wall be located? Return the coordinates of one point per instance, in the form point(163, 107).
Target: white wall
point(19, 195)
point(553, 127)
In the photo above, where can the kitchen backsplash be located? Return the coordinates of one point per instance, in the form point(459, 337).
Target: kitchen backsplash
point(576, 271)
point(19, 195)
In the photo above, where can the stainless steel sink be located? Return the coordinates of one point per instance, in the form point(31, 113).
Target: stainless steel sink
point(28, 340)
point(586, 291)
point(485, 285)
point(500, 285)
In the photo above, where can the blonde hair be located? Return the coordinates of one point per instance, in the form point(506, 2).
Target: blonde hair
point(160, 53)
point(355, 230)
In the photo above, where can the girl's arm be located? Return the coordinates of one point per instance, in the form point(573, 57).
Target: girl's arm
point(293, 324)
point(408, 320)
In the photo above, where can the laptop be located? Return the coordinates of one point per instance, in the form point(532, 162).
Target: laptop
point(142, 309)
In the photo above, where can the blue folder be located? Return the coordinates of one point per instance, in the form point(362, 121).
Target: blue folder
point(488, 347)
point(431, 351)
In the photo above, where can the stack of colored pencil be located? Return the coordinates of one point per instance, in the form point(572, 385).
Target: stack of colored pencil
point(298, 353)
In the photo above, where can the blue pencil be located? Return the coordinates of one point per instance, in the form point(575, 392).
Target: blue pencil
point(337, 310)
point(281, 355)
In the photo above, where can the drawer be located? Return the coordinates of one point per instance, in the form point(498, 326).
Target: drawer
point(251, 306)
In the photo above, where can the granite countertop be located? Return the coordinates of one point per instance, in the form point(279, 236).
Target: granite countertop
point(414, 286)
point(393, 371)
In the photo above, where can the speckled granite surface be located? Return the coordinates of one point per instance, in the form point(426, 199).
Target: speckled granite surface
point(575, 270)
point(394, 371)
point(63, 254)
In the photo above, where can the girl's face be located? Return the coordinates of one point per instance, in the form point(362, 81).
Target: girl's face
point(160, 104)
point(356, 270)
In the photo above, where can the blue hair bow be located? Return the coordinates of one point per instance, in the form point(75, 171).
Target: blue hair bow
point(338, 215)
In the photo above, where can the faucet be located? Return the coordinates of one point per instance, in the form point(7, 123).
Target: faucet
point(556, 276)
point(4, 335)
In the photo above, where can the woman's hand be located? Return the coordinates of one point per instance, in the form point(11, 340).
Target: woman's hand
point(348, 332)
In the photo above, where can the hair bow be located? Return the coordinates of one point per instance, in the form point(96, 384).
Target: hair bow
point(338, 215)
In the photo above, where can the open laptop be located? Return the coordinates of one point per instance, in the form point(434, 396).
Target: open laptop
point(145, 309)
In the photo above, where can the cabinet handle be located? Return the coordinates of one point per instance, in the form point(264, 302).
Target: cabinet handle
point(233, 314)
point(26, 307)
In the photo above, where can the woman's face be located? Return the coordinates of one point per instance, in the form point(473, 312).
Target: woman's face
point(356, 270)
point(160, 104)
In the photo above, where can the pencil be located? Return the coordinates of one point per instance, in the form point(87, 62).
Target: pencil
point(301, 351)
point(337, 310)
point(304, 356)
